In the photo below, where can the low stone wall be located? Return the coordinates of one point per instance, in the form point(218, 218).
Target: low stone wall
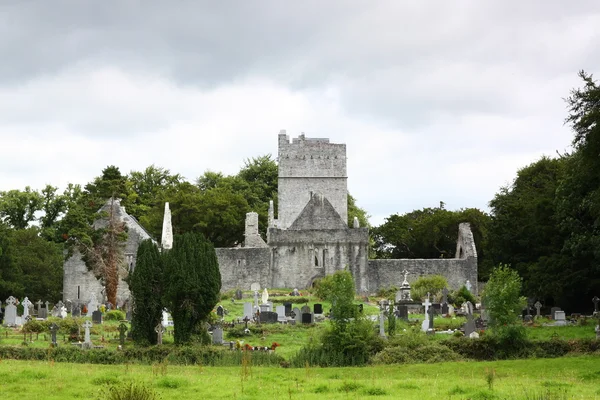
point(240, 267)
point(387, 273)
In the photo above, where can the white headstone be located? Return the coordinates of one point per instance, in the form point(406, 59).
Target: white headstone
point(281, 314)
point(63, 312)
point(217, 335)
point(87, 340)
point(255, 286)
point(92, 305)
point(468, 285)
point(167, 231)
point(26, 305)
point(425, 324)
point(560, 318)
point(265, 296)
point(165, 318)
point(10, 312)
point(248, 310)
point(297, 315)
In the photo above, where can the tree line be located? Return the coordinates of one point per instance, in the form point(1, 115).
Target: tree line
point(545, 225)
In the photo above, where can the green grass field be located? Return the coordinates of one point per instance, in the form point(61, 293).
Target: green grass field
point(564, 378)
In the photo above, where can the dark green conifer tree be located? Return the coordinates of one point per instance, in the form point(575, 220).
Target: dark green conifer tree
point(193, 282)
point(146, 283)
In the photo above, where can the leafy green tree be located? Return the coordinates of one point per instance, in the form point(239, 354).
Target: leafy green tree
point(110, 184)
point(145, 187)
point(355, 211)
point(18, 207)
point(578, 199)
point(350, 338)
point(502, 297)
point(525, 229)
point(146, 285)
point(428, 233)
point(10, 277)
point(193, 282)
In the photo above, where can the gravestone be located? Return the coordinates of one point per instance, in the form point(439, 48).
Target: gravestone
point(238, 294)
point(59, 309)
point(76, 311)
point(265, 296)
point(402, 312)
point(26, 305)
point(255, 286)
point(307, 318)
point(268, 317)
point(469, 326)
point(160, 330)
point(445, 309)
point(165, 318)
point(318, 308)
point(596, 300)
point(53, 330)
point(305, 309)
point(10, 312)
point(437, 308)
point(220, 311)
point(248, 313)
point(468, 285)
point(287, 308)
point(122, 329)
point(425, 323)
point(97, 317)
point(538, 307)
point(256, 300)
point(297, 315)
point(381, 324)
point(553, 310)
point(92, 305)
point(445, 295)
point(217, 335)
point(560, 318)
point(431, 314)
point(87, 341)
point(42, 312)
point(265, 308)
point(281, 314)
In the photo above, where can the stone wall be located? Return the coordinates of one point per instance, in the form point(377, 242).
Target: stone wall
point(299, 257)
point(309, 166)
point(386, 273)
point(240, 267)
point(79, 283)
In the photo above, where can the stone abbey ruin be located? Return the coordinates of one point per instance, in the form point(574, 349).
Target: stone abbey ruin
point(309, 239)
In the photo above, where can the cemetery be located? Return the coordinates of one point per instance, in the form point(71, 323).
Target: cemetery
point(303, 314)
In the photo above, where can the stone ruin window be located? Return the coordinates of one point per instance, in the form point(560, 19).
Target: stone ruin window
point(316, 257)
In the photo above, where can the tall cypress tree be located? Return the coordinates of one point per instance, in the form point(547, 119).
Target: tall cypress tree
point(193, 282)
point(146, 283)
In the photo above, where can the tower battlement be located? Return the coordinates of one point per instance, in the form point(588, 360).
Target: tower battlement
point(307, 166)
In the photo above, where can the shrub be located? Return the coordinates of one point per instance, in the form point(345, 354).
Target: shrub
point(414, 348)
point(387, 292)
point(502, 297)
point(432, 284)
point(461, 296)
point(129, 391)
point(114, 315)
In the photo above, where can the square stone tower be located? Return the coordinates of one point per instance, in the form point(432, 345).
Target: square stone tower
point(309, 166)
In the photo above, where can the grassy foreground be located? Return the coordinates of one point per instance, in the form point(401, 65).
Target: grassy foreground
point(562, 378)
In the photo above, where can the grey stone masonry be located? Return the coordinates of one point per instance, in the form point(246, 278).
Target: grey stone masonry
point(251, 236)
point(306, 166)
point(79, 282)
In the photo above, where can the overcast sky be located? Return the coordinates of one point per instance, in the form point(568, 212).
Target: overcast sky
point(436, 101)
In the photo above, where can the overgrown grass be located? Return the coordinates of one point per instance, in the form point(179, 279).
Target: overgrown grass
point(550, 379)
